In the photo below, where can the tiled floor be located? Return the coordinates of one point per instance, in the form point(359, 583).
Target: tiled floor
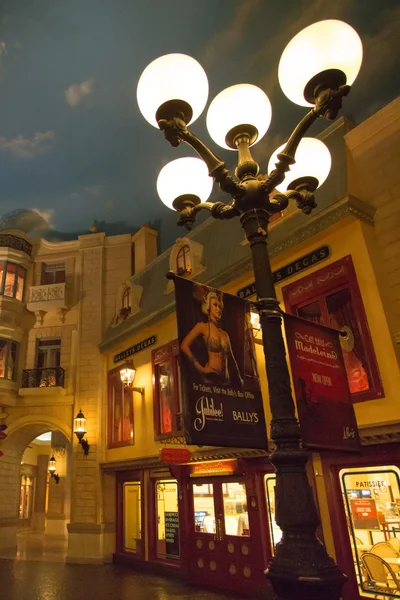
point(30, 580)
point(36, 570)
point(38, 546)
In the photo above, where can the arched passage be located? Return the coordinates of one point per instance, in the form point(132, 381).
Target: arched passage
point(20, 434)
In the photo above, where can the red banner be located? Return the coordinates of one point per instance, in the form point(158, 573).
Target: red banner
point(326, 414)
point(175, 455)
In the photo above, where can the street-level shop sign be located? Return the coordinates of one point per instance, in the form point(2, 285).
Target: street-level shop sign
point(301, 264)
point(150, 341)
point(172, 534)
point(217, 467)
point(175, 455)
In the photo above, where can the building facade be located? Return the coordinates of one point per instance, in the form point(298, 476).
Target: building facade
point(211, 517)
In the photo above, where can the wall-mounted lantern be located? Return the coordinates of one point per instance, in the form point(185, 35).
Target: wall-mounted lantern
point(127, 374)
point(52, 469)
point(80, 430)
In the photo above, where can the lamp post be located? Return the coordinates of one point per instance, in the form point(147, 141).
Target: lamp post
point(316, 70)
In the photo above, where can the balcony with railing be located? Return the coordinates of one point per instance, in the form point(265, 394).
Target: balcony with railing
point(48, 381)
point(48, 298)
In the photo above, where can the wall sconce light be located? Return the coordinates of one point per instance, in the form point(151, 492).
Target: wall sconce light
point(52, 469)
point(80, 430)
point(256, 325)
point(127, 374)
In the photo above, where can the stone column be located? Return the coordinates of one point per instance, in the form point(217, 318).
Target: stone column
point(39, 505)
point(55, 516)
point(9, 496)
point(85, 539)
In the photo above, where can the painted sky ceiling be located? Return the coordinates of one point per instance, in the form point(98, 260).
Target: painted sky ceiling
point(73, 145)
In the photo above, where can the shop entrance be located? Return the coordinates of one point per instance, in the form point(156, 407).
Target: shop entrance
point(225, 538)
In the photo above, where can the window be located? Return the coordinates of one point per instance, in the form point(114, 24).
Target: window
point(12, 280)
point(183, 261)
point(331, 297)
point(53, 273)
point(371, 498)
point(132, 517)
point(274, 529)
point(8, 359)
point(120, 411)
point(166, 377)
point(25, 499)
point(126, 298)
point(167, 519)
point(48, 353)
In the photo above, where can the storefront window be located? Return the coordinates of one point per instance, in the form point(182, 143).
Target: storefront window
point(274, 529)
point(12, 280)
point(203, 503)
point(166, 403)
point(331, 297)
point(120, 411)
point(167, 519)
point(165, 380)
point(8, 359)
point(132, 517)
point(371, 499)
point(25, 501)
point(235, 509)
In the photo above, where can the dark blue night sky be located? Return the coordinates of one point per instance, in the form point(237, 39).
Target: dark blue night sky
point(73, 145)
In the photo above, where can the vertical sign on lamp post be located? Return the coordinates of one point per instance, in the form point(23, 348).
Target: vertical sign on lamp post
point(324, 406)
point(222, 401)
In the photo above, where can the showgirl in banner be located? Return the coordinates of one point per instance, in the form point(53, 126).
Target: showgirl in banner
point(222, 402)
point(324, 406)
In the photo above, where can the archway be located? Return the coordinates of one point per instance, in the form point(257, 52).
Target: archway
point(17, 498)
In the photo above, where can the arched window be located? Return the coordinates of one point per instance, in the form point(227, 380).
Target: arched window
point(183, 261)
point(126, 298)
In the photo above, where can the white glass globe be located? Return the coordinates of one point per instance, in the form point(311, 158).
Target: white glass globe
point(184, 176)
point(172, 77)
point(324, 45)
point(242, 104)
point(313, 159)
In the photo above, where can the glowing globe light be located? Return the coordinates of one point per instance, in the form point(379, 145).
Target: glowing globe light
point(181, 177)
point(242, 104)
point(172, 77)
point(313, 159)
point(324, 45)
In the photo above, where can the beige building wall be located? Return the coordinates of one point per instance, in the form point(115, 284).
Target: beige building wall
point(374, 177)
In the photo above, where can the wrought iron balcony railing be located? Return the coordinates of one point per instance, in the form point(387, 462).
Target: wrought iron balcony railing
point(39, 378)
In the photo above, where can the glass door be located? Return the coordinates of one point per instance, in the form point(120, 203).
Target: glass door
point(132, 506)
point(168, 540)
point(225, 545)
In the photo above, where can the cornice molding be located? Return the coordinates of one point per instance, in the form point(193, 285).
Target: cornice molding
point(281, 238)
point(209, 454)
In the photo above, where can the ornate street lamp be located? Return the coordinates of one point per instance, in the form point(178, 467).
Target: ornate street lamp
point(52, 469)
point(80, 430)
point(316, 69)
point(127, 374)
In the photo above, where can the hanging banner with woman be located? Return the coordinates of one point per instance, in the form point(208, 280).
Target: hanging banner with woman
point(326, 413)
point(222, 401)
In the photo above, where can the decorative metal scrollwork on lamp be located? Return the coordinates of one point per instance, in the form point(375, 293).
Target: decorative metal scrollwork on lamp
point(80, 431)
point(316, 70)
